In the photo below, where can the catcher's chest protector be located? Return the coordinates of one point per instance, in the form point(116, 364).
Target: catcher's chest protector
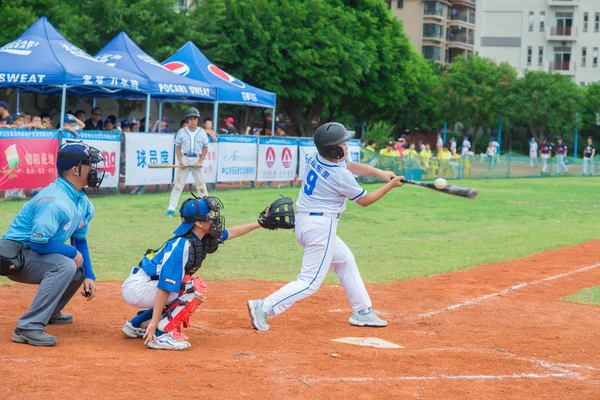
point(198, 251)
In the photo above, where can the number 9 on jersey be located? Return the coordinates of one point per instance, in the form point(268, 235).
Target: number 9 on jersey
point(311, 181)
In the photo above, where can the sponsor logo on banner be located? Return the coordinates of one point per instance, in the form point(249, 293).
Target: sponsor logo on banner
point(178, 67)
point(77, 52)
point(286, 157)
point(110, 162)
point(106, 57)
point(270, 157)
point(19, 47)
point(219, 73)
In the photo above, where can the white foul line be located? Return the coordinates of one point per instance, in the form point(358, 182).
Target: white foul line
point(501, 293)
point(442, 377)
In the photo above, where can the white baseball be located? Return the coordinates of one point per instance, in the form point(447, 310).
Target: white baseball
point(440, 183)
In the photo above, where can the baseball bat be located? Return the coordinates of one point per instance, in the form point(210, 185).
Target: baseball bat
point(167, 166)
point(450, 189)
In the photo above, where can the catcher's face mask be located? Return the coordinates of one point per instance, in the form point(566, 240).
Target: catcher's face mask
point(207, 209)
point(76, 153)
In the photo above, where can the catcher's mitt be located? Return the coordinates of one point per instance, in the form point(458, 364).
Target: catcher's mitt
point(281, 215)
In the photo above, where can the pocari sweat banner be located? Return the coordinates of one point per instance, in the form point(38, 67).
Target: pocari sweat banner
point(277, 159)
point(236, 158)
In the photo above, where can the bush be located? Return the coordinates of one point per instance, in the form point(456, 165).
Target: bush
point(381, 132)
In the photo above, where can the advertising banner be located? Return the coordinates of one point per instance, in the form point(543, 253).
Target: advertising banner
point(236, 158)
point(109, 143)
point(143, 149)
point(277, 159)
point(306, 148)
point(209, 165)
point(354, 149)
point(27, 158)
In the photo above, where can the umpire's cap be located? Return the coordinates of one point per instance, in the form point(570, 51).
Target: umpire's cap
point(329, 136)
point(72, 153)
point(191, 112)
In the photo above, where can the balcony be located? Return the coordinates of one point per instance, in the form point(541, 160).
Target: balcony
point(460, 19)
point(563, 3)
point(465, 3)
point(562, 67)
point(562, 33)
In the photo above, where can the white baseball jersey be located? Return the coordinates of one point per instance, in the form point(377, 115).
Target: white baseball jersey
point(533, 147)
point(495, 145)
point(440, 142)
point(326, 186)
point(191, 142)
point(453, 145)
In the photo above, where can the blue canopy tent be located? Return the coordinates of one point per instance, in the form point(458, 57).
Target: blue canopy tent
point(164, 85)
point(190, 62)
point(41, 60)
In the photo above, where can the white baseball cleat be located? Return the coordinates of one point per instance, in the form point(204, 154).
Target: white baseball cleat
point(369, 319)
point(257, 315)
point(169, 341)
point(132, 332)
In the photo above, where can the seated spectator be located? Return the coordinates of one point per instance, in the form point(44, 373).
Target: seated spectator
point(125, 126)
point(135, 127)
point(108, 125)
point(47, 121)
point(444, 156)
point(68, 124)
point(94, 123)
point(256, 131)
point(400, 142)
point(411, 157)
point(143, 124)
point(19, 122)
point(80, 115)
point(113, 119)
point(371, 144)
point(389, 150)
point(230, 128)
point(164, 125)
point(207, 126)
point(5, 118)
point(367, 153)
point(36, 123)
point(391, 160)
point(425, 155)
point(280, 131)
point(27, 118)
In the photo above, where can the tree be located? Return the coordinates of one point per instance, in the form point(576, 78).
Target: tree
point(545, 103)
point(590, 110)
point(474, 92)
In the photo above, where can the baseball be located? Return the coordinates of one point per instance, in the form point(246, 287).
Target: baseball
point(440, 183)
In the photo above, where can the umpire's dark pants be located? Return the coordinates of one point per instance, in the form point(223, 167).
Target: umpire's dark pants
point(59, 279)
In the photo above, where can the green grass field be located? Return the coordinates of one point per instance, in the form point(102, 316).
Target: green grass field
point(412, 232)
point(586, 296)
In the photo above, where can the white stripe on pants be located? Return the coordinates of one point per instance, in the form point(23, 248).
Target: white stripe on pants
point(322, 249)
point(181, 175)
point(588, 163)
point(560, 162)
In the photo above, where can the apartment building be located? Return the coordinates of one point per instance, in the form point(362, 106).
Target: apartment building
point(441, 29)
point(548, 35)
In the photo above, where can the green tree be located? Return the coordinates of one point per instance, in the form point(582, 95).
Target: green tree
point(590, 109)
point(474, 92)
point(545, 103)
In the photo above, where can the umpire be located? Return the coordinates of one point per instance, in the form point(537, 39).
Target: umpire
point(60, 212)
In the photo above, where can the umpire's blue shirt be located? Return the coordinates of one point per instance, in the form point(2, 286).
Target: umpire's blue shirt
point(59, 212)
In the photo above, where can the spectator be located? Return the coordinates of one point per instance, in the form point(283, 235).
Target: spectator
point(465, 148)
point(280, 131)
point(207, 126)
point(256, 131)
point(444, 156)
point(230, 128)
point(371, 144)
point(400, 142)
point(36, 123)
point(125, 126)
point(47, 121)
point(367, 153)
point(389, 150)
point(135, 127)
point(19, 121)
point(164, 125)
point(421, 146)
point(80, 115)
point(108, 125)
point(391, 158)
point(5, 118)
point(68, 123)
point(113, 119)
point(95, 121)
point(143, 124)
point(453, 145)
point(589, 151)
point(439, 143)
point(425, 155)
point(27, 118)
point(182, 124)
point(363, 142)
point(411, 157)
point(404, 141)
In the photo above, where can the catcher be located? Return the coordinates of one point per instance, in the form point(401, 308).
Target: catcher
point(163, 282)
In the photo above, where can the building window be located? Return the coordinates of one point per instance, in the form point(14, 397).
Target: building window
point(585, 22)
point(531, 18)
point(432, 31)
point(542, 21)
point(529, 55)
point(582, 84)
point(540, 56)
point(400, 3)
point(181, 5)
point(595, 59)
point(597, 23)
point(431, 53)
point(433, 8)
point(583, 56)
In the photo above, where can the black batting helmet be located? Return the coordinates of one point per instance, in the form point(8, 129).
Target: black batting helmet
point(328, 137)
point(191, 112)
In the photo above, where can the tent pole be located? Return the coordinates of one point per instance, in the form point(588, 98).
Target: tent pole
point(159, 114)
point(273, 122)
point(18, 101)
point(94, 102)
point(147, 124)
point(63, 105)
point(216, 117)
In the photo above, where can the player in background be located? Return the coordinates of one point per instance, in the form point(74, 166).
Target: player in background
point(545, 155)
point(465, 148)
point(191, 146)
point(533, 153)
point(453, 145)
point(327, 184)
point(163, 282)
point(561, 154)
point(589, 151)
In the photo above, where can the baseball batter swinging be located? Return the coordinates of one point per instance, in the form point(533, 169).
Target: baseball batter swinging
point(328, 182)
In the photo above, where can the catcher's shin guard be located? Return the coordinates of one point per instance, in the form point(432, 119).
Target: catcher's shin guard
point(178, 312)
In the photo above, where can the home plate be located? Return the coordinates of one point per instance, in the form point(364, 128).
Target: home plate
point(369, 342)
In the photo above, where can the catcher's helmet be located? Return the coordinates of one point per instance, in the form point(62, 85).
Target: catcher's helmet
point(328, 137)
point(191, 112)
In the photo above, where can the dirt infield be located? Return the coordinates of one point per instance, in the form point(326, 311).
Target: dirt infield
point(496, 331)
